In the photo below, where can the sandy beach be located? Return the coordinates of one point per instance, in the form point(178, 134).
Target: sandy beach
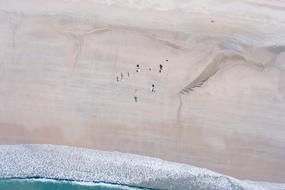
point(219, 102)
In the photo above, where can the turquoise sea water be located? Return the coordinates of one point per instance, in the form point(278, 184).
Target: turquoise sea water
point(45, 184)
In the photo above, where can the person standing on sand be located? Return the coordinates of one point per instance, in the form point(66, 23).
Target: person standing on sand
point(138, 68)
point(152, 88)
point(129, 74)
point(160, 67)
point(135, 97)
point(122, 76)
point(117, 78)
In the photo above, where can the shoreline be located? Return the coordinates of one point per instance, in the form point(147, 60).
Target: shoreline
point(86, 165)
point(81, 183)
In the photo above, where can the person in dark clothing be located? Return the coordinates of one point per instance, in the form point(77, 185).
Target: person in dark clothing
point(152, 88)
point(138, 68)
point(160, 67)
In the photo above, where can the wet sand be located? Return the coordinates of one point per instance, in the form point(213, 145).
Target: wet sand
point(219, 101)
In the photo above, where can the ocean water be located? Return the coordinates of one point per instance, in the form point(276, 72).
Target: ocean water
point(47, 184)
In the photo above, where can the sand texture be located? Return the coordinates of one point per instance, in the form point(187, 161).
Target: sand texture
point(219, 102)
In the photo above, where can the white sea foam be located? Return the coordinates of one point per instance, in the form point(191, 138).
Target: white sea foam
point(62, 162)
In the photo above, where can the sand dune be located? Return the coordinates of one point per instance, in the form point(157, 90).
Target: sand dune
point(59, 61)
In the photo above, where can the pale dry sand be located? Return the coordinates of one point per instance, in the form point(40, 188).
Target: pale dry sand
point(59, 61)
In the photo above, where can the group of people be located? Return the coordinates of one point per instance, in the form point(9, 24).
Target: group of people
point(122, 76)
point(138, 69)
